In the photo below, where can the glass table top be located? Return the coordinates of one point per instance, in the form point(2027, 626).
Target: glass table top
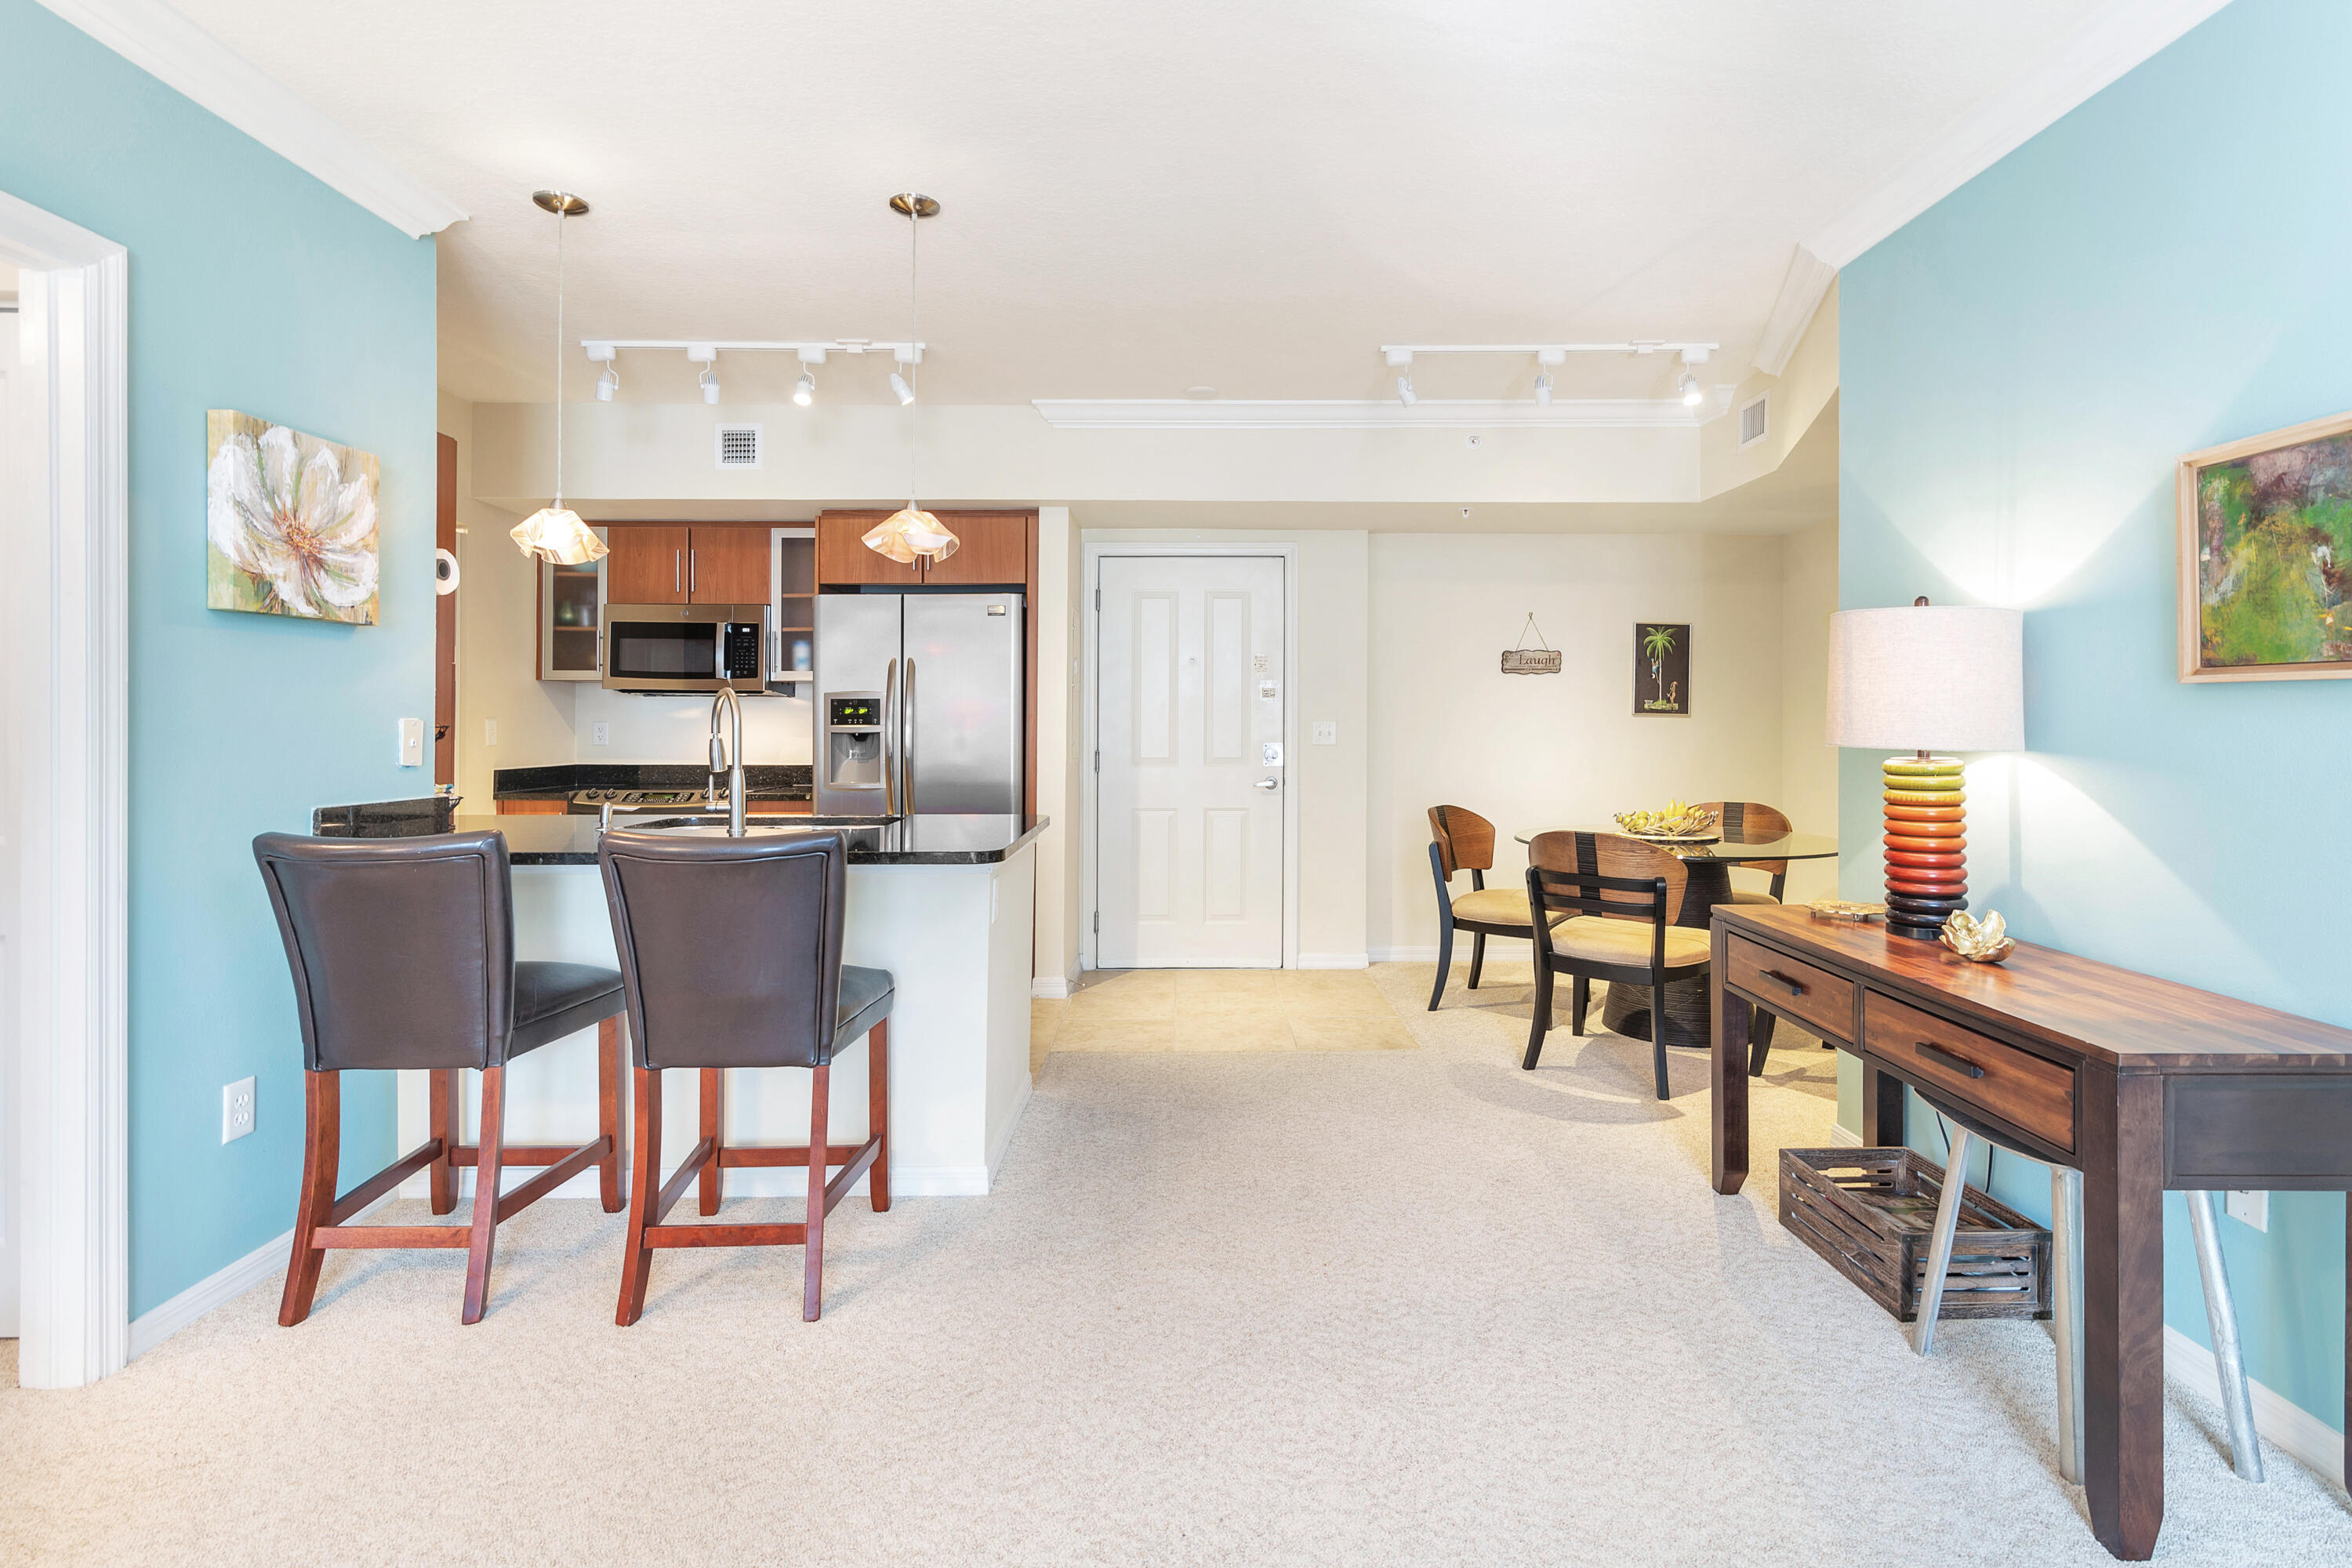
point(1733, 848)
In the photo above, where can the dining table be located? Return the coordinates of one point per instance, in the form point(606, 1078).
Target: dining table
point(1706, 882)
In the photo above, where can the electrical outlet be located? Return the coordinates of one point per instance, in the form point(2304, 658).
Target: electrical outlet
point(1327, 733)
point(2250, 1208)
point(601, 733)
point(236, 1109)
point(412, 742)
point(489, 731)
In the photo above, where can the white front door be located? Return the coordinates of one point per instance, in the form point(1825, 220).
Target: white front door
point(1188, 722)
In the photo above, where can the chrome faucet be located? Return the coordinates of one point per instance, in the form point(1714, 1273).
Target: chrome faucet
point(728, 757)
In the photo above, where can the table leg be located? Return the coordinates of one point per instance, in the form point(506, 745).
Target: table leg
point(1882, 1108)
point(2123, 1307)
point(1733, 1014)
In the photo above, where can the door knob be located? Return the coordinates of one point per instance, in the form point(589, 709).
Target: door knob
point(1269, 784)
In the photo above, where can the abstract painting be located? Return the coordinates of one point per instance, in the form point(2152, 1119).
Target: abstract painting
point(1660, 669)
point(2266, 557)
point(289, 522)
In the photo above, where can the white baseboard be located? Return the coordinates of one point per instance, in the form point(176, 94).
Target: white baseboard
point(2279, 1420)
point(1053, 988)
point(160, 1322)
point(1402, 955)
point(1004, 1139)
point(1502, 947)
point(1333, 961)
point(1845, 1136)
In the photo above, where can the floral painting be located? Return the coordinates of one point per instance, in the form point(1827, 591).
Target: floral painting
point(289, 522)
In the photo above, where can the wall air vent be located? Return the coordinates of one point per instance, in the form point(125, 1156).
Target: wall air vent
point(738, 446)
point(1751, 422)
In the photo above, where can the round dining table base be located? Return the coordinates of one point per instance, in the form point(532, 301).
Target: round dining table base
point(1625, 1010)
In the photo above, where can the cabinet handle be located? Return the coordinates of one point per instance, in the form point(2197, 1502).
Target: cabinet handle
point(691, 562)
point(1796, 988)
point(1944, 1058)
point(673, 573)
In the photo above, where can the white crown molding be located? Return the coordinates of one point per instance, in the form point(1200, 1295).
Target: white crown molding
point(1373, 414)
point(2110, 44)
point(1802, 293)
point(168, 47)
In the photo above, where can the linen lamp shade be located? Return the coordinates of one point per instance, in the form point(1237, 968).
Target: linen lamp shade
point(1918, 680)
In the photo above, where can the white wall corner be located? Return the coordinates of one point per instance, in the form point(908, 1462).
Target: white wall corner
point(1801, 291)
point(2112, 42)
point(158, 1323)
point(1844, 1137)
point(173, 49)
point(2277, 1419)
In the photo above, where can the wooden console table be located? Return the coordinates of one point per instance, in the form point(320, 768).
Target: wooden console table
point(2138, 1082)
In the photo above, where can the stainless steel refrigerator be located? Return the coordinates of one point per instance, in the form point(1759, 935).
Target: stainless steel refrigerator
point(920, 703)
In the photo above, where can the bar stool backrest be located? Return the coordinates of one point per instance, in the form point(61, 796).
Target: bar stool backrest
point(401, 949)
point(730, 948)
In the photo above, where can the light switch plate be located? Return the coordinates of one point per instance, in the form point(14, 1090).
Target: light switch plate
point(601, 733)
point(236, 1109)
point(412, 742)
point(489, 731)
point(2250, 1208)
point(1327, 733)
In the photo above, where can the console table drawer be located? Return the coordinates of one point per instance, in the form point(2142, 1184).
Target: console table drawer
point(1977, 1069)
point(1813, 996)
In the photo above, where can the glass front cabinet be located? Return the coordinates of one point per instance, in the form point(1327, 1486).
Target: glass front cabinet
point(571, 621)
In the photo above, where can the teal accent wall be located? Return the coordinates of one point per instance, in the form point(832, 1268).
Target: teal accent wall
point(253, 287)
point(2161, 270)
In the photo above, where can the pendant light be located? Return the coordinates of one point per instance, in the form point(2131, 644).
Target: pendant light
point(911, 533)
point(556, 533)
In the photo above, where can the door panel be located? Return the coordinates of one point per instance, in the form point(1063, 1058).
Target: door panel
point(1189, 677)
point(727, 565)
point(647, 565)
point(965, 709)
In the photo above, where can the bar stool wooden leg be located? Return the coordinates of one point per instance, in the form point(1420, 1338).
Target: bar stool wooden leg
point(608, 1110)
point(491, 1145)
point(322, 1141)
point(644, 1187)
point(877, 1114)
point(714, 1128)
point(812, 1291)
point(446, 1108)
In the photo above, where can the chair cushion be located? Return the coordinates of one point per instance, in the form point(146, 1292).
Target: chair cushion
point(1751, 896)
point(865, 997)
point(553, 1000)
point(1497, 907)
point(1598, 939)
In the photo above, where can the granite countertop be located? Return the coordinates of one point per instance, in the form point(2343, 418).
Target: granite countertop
point(765, 781)
point(920, 841)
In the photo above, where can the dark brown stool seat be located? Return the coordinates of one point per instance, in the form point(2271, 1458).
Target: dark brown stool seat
point(400, 952)
point(730, 954)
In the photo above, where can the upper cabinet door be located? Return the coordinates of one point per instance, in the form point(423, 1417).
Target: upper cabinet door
point(727, 565)
point(843, 560)
point(647, 565)
point(991, 548)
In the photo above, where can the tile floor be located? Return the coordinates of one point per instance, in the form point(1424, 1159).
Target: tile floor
point(1218, 1010)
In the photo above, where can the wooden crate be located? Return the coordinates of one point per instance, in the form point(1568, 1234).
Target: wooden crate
point(1868, 1212)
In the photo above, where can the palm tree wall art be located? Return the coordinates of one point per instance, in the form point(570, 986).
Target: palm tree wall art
point(1660, 669)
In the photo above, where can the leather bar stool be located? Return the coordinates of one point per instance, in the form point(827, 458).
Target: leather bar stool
point(402, 956)
point(730, 954)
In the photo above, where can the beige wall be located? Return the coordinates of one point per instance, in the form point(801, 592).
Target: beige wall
point(1808, 765)
point(1531, 752)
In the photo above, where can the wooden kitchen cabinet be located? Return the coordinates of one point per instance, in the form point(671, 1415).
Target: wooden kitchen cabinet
point(844, 562)
point(646, 565)
point(992, 550)
point(727, 565)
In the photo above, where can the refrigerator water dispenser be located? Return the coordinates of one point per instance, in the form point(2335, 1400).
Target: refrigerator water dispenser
point(853, 740)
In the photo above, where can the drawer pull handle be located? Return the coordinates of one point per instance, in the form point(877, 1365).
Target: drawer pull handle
point(1796, 987)
point(1944, 1058)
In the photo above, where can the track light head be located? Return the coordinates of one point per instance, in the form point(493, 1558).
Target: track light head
point(1692, 396)
point(608, 384)
point(1543, 389)
point(709, 385)
point(804, 389)
point(1404, 391)
point(899, 386)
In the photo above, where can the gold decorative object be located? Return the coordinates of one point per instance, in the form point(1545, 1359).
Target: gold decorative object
point(1985, 941)
point(1843, 910)
point(1677, 821)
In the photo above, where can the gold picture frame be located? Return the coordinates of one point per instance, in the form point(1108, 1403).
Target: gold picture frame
point(2262, 524)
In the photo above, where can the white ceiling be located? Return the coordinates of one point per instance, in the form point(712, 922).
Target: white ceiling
point(1138, 200)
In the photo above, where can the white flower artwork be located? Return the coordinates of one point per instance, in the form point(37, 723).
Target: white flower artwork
point(289, 522)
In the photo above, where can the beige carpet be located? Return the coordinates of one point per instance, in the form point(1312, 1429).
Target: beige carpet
point(1218, 1010)
point(1272, 1307)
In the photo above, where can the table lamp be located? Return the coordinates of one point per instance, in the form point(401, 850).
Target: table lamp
point(1922, 679)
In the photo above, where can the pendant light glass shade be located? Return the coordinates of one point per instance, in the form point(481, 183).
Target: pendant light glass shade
point(557, 533)
point(910, 532)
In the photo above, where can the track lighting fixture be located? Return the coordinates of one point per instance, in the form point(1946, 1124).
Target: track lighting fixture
point(1688, 386)
point(899, 384)
point(707, 356)
point(709, 385)
point(804, 389)
point(1543, 388)
point(1404, 391)
point(608, 384)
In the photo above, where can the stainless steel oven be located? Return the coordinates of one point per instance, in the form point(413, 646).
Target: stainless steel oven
point(687, 647)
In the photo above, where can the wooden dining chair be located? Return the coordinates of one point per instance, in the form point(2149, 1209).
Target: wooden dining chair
point(1747, 820)
point(1461, 840)
point(1615, 900)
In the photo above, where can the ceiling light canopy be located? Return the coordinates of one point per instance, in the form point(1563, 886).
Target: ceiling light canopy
point(556, 532)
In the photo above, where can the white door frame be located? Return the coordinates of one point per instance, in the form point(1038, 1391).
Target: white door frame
point(65, 619)
point(1090, 779)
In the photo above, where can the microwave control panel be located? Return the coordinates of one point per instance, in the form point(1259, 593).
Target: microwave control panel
point(741, 654)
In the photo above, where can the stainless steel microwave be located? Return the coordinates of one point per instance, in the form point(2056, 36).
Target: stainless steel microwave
point(687, 647)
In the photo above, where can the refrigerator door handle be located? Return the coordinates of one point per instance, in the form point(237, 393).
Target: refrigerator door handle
point(907, 746)
point(889, 718)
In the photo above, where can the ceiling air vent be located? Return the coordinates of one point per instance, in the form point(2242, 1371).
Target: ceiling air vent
point(738, 446)
point(1752, 423)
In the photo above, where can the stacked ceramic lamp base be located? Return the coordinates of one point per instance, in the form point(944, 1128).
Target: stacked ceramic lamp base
point(1926, 842)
